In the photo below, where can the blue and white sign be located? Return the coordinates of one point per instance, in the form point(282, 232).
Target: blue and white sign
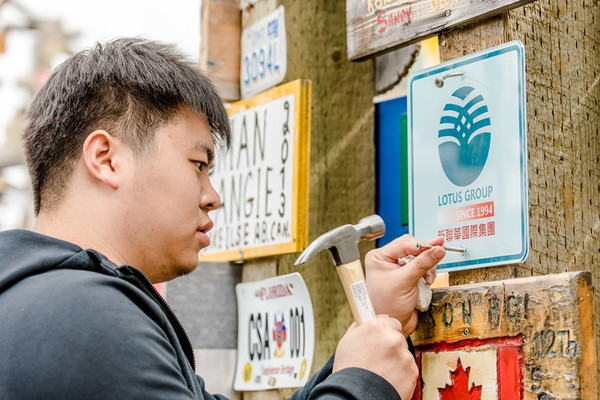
point(467, 150)
point(264, 54)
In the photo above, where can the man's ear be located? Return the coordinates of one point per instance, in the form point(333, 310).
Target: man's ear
point(99, 155)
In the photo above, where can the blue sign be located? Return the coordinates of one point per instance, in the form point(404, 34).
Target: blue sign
point(264, 54)
point(467, 151)
point(392, 168)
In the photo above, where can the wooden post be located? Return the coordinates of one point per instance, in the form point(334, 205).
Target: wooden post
point(563, 113)
point(342, 174)
point(342, 167)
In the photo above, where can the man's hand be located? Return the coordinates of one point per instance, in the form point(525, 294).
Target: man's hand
point(380, 347)
point(392, 287)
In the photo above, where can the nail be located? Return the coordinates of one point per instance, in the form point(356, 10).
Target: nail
point(462, 250)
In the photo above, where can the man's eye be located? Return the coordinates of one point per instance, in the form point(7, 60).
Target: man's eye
point(201, 165)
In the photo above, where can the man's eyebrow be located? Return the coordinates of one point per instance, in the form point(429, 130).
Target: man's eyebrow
point(209, 151)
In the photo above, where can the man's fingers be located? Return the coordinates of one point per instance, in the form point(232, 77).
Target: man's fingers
point(401, 252)
point(430, 276)
point(391, 322)
point(399, 247)
point(424, 262)
point(403, 246)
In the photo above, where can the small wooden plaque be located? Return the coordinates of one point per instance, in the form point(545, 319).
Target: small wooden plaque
point(377, 26)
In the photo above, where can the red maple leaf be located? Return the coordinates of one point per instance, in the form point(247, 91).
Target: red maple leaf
point(459, 390)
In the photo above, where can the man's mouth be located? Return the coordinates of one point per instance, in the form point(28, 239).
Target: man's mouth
point(206, 227)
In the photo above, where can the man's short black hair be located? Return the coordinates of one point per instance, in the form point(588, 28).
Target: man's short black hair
point(127, 87)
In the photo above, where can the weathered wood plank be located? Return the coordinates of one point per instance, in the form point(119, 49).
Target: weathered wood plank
point(377, 26)
point(220, 47)
point(547, 320)
point(342, 167)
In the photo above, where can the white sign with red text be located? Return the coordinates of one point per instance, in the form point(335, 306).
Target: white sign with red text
point(467, 147)
point(276, 334)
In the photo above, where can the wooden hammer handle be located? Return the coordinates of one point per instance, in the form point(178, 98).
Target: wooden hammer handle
point(353, 280)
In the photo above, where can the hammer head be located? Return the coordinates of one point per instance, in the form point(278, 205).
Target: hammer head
point(342, 242)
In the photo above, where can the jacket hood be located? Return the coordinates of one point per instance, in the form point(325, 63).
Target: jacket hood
point(25, 253)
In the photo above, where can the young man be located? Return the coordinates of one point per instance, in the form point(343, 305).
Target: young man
point(119, 143)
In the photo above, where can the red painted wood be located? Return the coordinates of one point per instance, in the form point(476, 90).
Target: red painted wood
point(459, 389)
point(510, 377)
point(509, 364)
point(418, 393)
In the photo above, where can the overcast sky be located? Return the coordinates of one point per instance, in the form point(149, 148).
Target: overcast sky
point(176, 21)
point(168, 20)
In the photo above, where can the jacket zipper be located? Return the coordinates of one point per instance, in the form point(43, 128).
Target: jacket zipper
point(188, 348)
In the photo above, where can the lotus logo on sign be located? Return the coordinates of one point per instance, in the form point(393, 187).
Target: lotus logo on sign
point(464, 136)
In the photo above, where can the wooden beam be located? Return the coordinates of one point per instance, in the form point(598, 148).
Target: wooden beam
point(220, 48)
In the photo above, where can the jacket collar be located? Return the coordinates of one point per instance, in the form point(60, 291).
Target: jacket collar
point(25, 253)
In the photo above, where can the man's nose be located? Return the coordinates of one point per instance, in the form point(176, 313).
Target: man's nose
point(210, 199)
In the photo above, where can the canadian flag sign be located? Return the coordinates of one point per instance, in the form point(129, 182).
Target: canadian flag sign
point(471, 370)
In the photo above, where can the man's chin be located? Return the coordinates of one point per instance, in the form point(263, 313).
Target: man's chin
point(185, 269)
point(181, 269)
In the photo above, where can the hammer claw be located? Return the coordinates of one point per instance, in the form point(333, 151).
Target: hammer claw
point(342, 243)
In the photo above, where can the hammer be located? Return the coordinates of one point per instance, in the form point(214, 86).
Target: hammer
point(342, 243)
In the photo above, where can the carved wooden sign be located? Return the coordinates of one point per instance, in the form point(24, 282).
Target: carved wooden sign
point(377, 26)
point(529, 338)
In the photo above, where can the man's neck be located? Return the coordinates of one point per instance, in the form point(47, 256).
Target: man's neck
point(74, 227)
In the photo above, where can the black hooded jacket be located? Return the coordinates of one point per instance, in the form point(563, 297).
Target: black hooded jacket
point(73, 325)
